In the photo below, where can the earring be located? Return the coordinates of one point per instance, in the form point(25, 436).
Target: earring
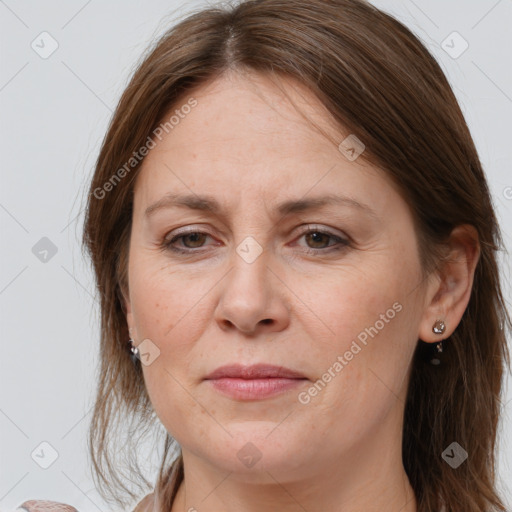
point(438, 328)
point(134, 351)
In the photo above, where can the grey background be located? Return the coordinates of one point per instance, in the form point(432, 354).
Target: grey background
point(54, 113)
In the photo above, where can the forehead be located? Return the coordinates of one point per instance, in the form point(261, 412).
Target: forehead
point(247, 132)
point(251, 115)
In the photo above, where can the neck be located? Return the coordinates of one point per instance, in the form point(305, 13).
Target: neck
point(370, 477)
point(231, 496)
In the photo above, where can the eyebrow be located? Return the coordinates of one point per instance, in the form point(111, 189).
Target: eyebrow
point(210, 204)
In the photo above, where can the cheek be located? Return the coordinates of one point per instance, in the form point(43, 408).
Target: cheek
point(164, 317)
point(172, 314)
point(370, 321)
point(164, 301)
point(354, 303)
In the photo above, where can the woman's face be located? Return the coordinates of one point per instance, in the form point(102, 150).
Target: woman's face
point(237, 259)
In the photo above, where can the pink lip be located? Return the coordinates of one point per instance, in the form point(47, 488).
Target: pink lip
point(254, 382)
point(255, 371)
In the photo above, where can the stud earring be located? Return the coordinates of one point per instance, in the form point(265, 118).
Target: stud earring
point(438, 328)
point(134, 351)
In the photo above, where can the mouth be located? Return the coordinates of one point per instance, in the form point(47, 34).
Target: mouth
point(254, 382)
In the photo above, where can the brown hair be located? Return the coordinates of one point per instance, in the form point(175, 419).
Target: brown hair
point(380, 83)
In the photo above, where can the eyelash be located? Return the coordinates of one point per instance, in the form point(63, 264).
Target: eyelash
point(343, 243)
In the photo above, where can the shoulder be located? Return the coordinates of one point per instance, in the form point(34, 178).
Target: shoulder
point(42, 506)
point(146, 504)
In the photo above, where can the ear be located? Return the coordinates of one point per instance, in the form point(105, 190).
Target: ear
point(450, 288)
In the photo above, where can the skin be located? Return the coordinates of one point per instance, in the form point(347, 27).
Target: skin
point(245, 145)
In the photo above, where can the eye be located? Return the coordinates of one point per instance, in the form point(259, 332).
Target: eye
point(190, 240)
point(318, 240)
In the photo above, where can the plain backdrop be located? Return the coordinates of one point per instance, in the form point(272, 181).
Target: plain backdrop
point(54, 112)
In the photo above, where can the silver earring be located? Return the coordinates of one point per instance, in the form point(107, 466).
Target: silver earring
point(134, 351)
point(438, 328)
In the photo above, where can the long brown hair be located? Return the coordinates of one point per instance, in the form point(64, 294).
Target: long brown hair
point(380, 83)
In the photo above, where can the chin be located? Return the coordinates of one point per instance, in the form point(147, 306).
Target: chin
point(257, 449)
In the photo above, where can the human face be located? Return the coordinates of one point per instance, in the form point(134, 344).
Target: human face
point(340, 307)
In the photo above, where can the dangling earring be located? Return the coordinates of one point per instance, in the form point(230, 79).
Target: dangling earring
point(438, 328)
point(134, 351)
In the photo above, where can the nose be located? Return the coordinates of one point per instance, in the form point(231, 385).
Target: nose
point(253, 299)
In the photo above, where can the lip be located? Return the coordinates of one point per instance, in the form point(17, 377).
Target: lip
point(254, 382)
point(255, 371)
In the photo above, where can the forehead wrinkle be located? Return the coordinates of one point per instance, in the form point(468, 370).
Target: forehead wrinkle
point(208, 203)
